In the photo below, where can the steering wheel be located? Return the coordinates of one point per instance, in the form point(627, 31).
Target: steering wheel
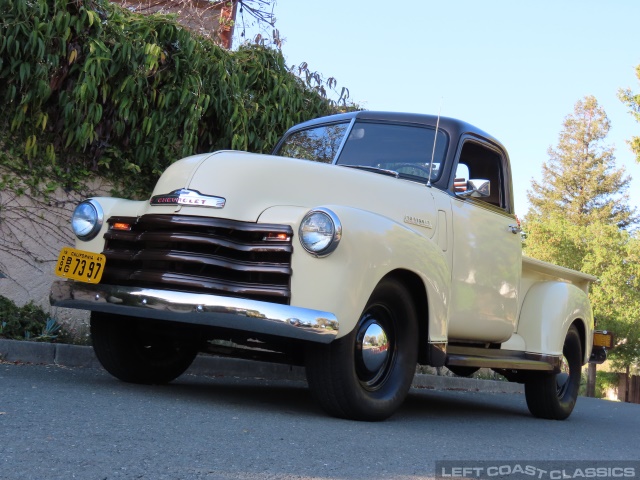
point(398, 166)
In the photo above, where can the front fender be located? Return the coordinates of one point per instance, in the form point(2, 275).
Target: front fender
point(371, 247)
point(548, 310)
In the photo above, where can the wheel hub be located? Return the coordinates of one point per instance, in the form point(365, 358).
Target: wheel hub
point(373, 351)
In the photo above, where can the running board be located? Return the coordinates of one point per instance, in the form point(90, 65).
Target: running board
point(501, 359)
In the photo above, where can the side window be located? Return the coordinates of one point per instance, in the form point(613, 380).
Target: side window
point(478, 161)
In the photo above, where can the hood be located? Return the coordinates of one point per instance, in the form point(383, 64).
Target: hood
point(251, 183)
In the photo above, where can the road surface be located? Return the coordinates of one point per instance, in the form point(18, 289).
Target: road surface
point(65, 423)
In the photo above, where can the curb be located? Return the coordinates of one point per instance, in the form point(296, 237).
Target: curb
point(18, 351)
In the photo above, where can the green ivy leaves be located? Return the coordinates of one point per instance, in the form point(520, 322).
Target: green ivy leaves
point(120, 93)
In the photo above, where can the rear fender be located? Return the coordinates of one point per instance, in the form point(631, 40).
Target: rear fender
point(548, 310)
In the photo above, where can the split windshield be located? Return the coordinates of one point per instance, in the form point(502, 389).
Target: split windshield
point(398, 150)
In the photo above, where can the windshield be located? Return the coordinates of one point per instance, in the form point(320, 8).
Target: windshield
point(404, 150)
point(320, 144)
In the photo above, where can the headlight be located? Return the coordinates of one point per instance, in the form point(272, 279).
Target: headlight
point(87, 219)
point(320, 232)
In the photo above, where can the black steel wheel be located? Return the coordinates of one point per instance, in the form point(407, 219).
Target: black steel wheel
point(366, 374)
point(553, 396)
point(133, 356)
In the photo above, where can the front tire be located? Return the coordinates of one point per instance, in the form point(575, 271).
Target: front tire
point(553, 396)
point(135, 356)
point(366, 374)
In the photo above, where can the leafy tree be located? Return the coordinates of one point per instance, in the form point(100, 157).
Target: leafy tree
point(614, 257)
point(632, 100)
point(580, 218)
point(581, 180)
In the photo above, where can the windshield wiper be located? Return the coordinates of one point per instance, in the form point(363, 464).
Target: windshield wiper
point(383, 171)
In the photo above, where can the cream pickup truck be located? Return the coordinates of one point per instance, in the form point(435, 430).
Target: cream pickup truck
point(366, 244)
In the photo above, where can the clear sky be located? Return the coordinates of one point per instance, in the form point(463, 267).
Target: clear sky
point(514, 69)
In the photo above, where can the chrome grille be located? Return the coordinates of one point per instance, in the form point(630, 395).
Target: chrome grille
point(200, 255)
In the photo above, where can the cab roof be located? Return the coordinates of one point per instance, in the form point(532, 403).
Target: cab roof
point(454, 127)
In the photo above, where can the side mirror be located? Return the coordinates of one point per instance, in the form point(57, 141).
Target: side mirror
point(478, 188)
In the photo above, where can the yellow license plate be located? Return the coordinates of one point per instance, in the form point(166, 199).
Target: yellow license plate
point(80, 265)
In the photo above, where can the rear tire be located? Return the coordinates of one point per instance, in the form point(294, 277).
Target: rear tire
point(366, 374)
point(135, 356)
point(553, 396)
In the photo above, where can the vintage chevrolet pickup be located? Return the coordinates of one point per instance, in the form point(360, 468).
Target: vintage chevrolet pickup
point(366, 244)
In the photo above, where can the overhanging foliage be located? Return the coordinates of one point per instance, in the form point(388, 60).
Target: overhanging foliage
point(89, 88)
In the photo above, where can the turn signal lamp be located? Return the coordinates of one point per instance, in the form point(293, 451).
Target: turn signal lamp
point(121, 226)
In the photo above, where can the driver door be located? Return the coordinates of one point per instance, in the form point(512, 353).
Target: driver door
point(487, 250)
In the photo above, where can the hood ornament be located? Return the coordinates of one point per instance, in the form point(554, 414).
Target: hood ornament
point(190, 198)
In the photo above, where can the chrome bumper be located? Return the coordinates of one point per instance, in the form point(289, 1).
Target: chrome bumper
point(199, 309)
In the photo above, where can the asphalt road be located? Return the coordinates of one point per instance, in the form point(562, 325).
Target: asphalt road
point(64, 423)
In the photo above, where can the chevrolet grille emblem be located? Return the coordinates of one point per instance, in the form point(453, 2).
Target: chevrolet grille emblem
point(191, 198)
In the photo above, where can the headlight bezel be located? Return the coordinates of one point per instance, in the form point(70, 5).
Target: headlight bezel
point(96, 220)
point(336, 233)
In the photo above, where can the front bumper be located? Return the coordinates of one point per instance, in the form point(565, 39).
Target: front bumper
point(198, 309)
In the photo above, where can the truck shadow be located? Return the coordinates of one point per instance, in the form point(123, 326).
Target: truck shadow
point(464, 405)
point(294, 397)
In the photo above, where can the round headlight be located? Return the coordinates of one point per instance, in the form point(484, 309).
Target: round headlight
point(87, 219)
point(320, 232)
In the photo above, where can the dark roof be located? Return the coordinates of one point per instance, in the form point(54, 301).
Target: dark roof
point(452, 126)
